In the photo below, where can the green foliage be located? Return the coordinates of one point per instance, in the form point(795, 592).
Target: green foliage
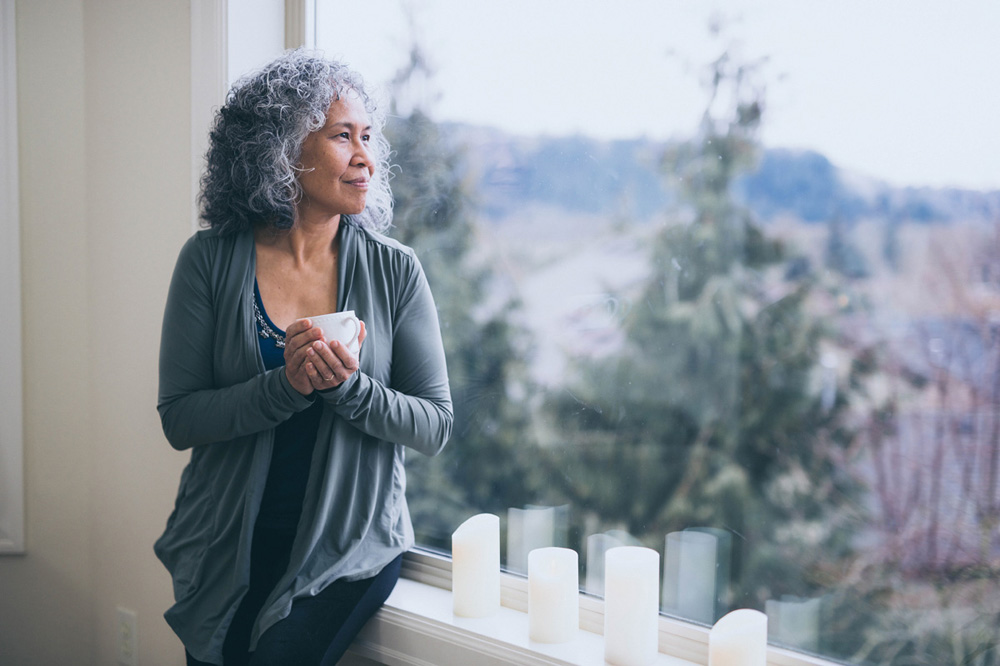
point(842, 254)
point(482, 468)
point(946, 618)
point(709, 414)
point(890, 245)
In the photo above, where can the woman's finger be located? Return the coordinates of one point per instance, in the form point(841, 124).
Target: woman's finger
point(333, 363)
point(321, 375)
point(315, 378)
point(298, 326)
point(318, 354)
point(297, 374)
point(301, 333)
point(339, 357)
point(297, 350)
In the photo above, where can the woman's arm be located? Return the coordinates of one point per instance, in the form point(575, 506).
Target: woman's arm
point(415, 409)
point(193, 409)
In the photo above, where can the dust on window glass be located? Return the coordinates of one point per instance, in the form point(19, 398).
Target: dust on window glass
point(720, 280)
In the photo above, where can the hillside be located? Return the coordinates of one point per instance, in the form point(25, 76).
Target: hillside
point(566, 223)
point(622, 178)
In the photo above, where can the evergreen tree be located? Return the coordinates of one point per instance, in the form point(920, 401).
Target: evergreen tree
point(709, 416)
point(842, 254)
point(891, 250)
point(486, 465)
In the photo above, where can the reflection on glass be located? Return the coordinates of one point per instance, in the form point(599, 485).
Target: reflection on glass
point(689, 576)
point(794, 622)
point(659, 322)
point(597, 546)
point(530, 528)
point(723, 567)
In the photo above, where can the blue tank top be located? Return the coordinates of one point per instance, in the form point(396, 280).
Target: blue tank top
point(293, 446)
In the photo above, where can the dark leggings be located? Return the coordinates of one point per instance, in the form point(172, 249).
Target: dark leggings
point(319, 629)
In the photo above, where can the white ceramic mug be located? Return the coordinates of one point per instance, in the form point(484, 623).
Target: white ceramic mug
point(343, 326)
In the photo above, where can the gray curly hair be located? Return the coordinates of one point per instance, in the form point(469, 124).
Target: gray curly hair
point(256, 141)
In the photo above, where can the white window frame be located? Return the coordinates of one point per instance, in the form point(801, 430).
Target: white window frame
point(209, 63)
point(11, 386)
point(404, 633)
point(210, 69)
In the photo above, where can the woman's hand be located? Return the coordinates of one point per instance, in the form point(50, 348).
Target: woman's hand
point(299, 338)
point(325, 364)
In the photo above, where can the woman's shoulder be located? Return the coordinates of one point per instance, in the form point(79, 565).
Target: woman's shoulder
point(211, 240)
point(206, 247)
point(380, 244)
point(209, 237)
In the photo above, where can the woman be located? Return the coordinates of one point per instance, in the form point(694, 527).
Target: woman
point(291, 519)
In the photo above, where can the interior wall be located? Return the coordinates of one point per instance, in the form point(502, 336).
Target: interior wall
point(44, 603)
point(104, 132)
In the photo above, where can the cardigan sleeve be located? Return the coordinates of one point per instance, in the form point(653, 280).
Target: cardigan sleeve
point(415, 410)
point(193, 409)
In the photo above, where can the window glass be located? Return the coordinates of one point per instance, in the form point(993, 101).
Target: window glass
point(722, 280)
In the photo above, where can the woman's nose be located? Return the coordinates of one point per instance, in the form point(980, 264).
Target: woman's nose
point(362, 155)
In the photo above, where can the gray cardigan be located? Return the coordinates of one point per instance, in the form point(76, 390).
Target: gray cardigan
point(216, 398)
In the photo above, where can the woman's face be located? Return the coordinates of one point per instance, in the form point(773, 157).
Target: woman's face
point(335, 161)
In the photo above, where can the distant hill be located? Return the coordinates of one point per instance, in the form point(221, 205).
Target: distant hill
point(807, 185)
point(582, 174)
point(578, 174)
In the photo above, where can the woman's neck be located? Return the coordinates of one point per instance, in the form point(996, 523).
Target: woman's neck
point(296, 271)
point(305, 243)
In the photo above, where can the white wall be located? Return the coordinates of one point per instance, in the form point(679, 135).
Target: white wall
point(104, 133)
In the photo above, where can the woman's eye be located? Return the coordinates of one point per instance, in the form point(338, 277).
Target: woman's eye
point(366, 138)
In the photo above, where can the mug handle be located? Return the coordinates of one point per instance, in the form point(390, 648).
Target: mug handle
point(356, 323)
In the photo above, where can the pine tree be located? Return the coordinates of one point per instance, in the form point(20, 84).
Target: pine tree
point(709, 415)
point(487, 463)
point(842, 254)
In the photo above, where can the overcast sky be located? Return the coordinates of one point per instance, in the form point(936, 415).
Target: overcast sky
point(907, 91)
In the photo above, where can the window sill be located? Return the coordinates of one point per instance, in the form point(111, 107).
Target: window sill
point(416, 627)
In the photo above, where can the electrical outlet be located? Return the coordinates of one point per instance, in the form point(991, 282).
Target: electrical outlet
point(128, 637)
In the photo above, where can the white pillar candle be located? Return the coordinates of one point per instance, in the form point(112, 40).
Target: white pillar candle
point(553, 595)
point(475, 566)
point(689, 576)
point(739, 639)
point(631, 608)
point(597, 546)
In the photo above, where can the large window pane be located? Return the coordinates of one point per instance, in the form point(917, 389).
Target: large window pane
point(725, 284)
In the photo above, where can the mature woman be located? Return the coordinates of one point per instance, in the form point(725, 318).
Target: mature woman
point(291, 519)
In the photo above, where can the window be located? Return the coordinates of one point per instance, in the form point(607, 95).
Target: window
point(727, 286)
point(11, 418)
point(229, 39)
